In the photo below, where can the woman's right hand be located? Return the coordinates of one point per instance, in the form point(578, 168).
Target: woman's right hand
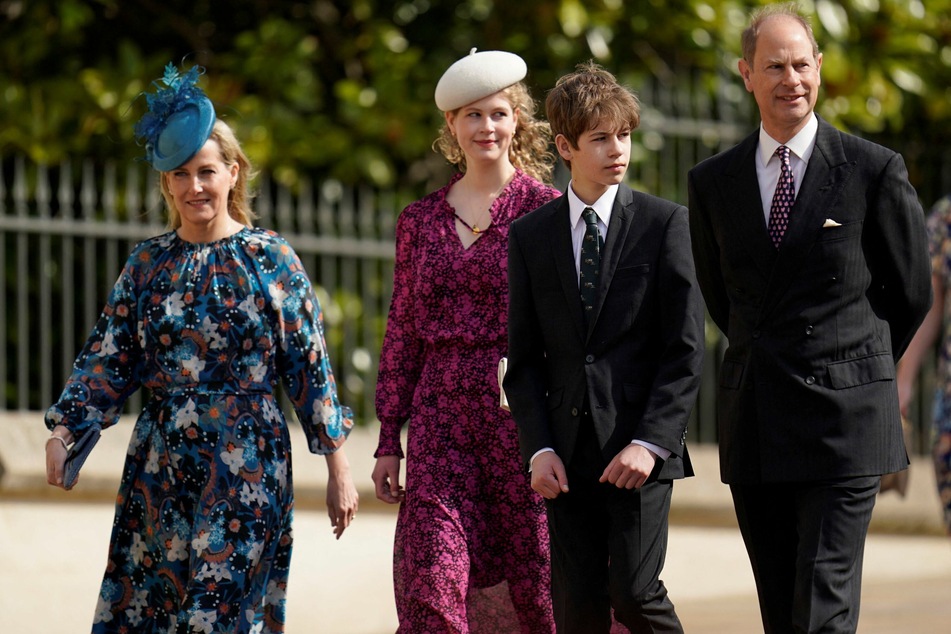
point(56, 456)
point(386, 477)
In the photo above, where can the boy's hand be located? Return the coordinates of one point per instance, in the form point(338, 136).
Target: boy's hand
point(630, 468)
point(548, 475)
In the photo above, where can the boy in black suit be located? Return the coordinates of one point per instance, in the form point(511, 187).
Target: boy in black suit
point(605, 348)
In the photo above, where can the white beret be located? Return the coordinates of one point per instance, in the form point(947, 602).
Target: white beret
point(478, 75)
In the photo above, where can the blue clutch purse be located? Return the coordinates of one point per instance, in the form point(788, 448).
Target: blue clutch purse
point(78, 453)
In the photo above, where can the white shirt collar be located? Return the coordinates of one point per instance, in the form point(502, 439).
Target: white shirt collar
point(801, 145)
point(602, 206)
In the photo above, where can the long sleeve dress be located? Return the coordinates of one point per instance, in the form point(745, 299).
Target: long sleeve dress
point(201, 540)
point(471, 544)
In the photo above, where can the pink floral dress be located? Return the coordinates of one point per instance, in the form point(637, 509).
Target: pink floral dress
point(471, 547)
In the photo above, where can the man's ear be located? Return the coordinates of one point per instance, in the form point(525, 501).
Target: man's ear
point(745, 70)
point(563, 145)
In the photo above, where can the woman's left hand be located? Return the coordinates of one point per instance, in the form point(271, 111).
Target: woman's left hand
point(342, 496)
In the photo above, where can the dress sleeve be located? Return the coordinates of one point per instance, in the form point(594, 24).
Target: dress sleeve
point(401, 357)
point(109, 367)
point(302, 361)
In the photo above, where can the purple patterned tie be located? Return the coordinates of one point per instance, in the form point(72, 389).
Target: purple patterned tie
point(783, 198)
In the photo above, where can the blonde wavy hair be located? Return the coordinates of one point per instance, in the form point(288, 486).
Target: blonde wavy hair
point(239, 198)
point(531, 146)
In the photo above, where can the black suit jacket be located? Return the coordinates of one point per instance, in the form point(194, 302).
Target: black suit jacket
point(638, 362)
point(807, 385)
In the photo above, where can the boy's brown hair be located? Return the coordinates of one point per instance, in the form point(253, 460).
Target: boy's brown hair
point(587, 98)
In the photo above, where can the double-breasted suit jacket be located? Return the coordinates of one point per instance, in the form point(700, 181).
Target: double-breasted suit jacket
point(636, 363)
point(807, 385)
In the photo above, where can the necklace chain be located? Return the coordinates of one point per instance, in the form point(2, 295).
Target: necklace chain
point(474, 228)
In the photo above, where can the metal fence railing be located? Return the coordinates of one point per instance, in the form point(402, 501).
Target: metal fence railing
point(66, 229)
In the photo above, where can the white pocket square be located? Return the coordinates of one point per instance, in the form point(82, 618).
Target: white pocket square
point(830, 223)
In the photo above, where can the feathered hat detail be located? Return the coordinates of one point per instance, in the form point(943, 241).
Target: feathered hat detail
point(179, 119)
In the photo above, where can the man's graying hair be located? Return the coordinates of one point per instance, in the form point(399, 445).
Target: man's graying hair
point(760, 16)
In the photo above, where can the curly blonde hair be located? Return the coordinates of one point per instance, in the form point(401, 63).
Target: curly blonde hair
point(531, 146)
point(239, 198)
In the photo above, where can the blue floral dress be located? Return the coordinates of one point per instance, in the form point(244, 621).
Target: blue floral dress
point(201, 540)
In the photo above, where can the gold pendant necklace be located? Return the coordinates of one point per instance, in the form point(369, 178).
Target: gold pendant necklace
point(474, 228)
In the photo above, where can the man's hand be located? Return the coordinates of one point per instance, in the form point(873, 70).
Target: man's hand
point(386, 477)
point(548, 475)
point(630, 468)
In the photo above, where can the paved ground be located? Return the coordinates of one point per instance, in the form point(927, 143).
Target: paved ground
point(52, 555)
point(53, 547)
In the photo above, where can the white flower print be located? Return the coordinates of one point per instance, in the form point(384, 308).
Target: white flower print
point(103, 613)
point(276, 593)
point(138, 549)
point(200, 542)
point(253, 492)
point(193, 365)
point(152, 463)
point(234, 458)
point(177, 549)
point(203, 621)
point(278, 295)
point(257, 549)
point(209, 330)
point(272, 412)
point(174, 306)
point(280, 473)
point(258, 372)
point(219, 571)
point(140, 599)
point(250, 307)
point(108, 346)
point(186, 416)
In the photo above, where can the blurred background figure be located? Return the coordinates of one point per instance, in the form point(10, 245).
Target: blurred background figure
point(937, 322)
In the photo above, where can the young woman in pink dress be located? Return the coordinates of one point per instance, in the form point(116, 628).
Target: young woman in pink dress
point(471, 544)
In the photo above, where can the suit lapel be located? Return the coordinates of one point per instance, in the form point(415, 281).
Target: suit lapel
point(741, 186)
point(622, 215)
point(825, 175)
point(559, 229)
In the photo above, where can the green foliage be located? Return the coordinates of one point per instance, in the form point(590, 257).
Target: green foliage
point(344, 87)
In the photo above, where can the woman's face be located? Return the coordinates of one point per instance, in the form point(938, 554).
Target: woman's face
point(484, 128)
point(200, 187)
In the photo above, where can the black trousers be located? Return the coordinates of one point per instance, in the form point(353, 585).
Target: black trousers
point(806, 542)
point(608, 549)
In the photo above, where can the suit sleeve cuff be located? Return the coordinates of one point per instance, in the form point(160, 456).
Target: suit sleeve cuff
point(536, 454)
point(662, 453)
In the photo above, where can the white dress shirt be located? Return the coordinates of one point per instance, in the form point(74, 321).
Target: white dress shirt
point(768, 164)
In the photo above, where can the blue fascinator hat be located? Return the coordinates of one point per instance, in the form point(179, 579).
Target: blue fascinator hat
point(179, 120)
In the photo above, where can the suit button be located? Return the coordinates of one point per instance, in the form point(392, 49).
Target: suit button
point(589, 358)
point(574, 411)
point(756, 334)
point(810, 380)
point(808, 330)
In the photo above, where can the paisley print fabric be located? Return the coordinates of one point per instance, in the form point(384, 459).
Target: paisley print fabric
point(202, 538)
point(471, 544)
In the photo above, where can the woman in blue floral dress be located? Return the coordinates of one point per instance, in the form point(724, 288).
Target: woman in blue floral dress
point(208, 317)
